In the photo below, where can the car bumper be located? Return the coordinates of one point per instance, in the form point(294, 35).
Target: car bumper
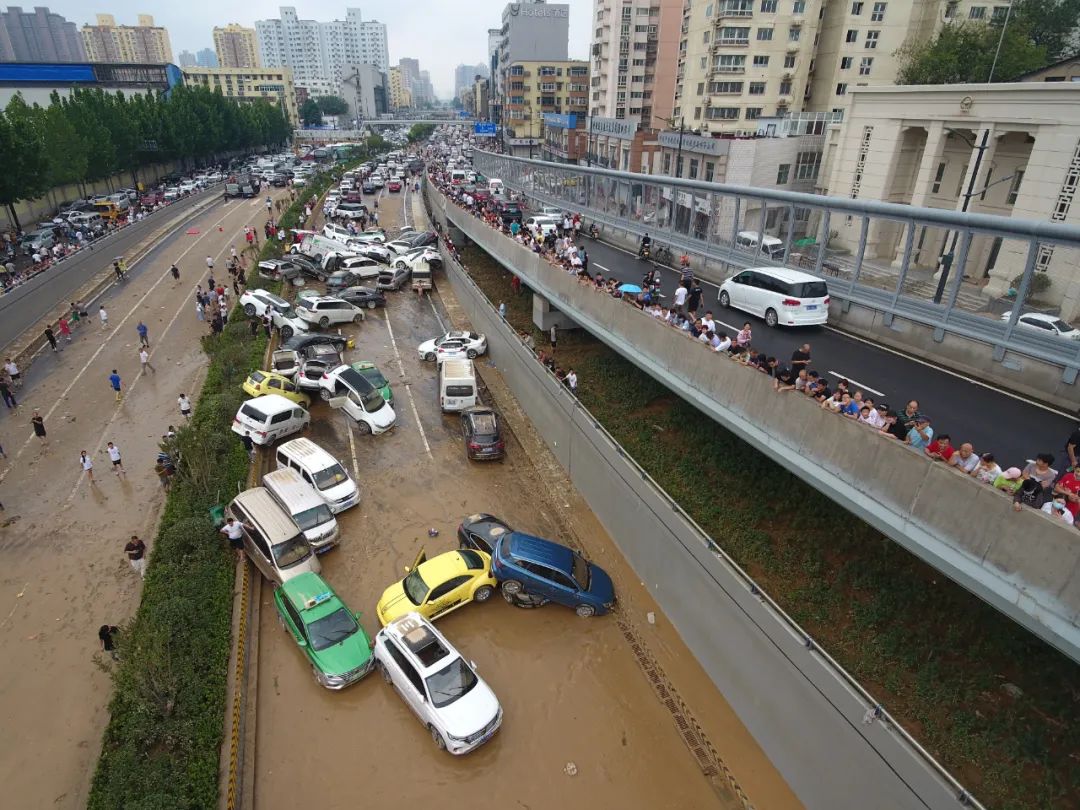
point(338, 682)
point(345, 503)
point(480, 455)
point(804, 318)
point(458, 748)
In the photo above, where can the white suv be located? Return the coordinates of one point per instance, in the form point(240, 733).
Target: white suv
point(459, 710)
point(285, 318)
point(326, 310)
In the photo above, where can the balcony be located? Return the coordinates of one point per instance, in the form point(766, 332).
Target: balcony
point(734, 42)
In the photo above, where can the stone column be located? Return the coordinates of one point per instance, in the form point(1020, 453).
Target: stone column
point(924, 181)
point(977, 168)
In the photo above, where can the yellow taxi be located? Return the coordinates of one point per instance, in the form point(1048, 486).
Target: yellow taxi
point(270, 382)
point(437, 586)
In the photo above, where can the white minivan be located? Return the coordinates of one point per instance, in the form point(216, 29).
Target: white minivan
point(346, 388)
point(303, 504)
point(320, 469)
point(457, 386)
point(769, 245)
point(782, 297)
point(270, 417)
point(271, 539)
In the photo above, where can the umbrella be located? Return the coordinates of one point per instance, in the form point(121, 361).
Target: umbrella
point(630, 288)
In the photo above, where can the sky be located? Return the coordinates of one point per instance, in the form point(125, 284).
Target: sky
point(439, 33)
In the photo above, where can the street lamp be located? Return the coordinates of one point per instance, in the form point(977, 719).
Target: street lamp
point(682, 130)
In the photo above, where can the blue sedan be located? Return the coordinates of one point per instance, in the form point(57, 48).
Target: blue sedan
point(531, 566)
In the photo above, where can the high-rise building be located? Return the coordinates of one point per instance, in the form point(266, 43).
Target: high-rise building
point(144, 43)
point(465, 75)
point(236, 46)
point(634, 54)
point(247, 85)
point(364, 88)
point(400, 94)
point(40, 36)
point(536, 88)
point(319, 50)
point(206, 58)
point(187, 59)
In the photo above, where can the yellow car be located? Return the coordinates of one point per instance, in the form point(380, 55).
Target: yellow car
point(435, 587)
point(269, 382)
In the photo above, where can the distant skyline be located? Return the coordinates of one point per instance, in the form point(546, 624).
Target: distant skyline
point(429, 30)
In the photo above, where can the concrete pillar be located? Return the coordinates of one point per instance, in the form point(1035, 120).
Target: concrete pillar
point(456, 234)
point(975, 179)
point(924, 181)
point(878, 176)
point(545, 316)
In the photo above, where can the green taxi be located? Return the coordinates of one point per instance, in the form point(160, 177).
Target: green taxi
point(327, 632)
point(370, 372)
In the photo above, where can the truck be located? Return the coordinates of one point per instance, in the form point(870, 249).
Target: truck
point(421, 275)
point(241, 185)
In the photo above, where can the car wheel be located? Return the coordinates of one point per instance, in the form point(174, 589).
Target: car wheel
point(385, 673)
point(512, 587)
point(525, 601)
point(324, 395)
point(771, 319)
point(429, 356)
point(359, 319)
point(249, 309)
point(725, 299)
point(585, 611)
point(440, 743)
point(471, 354)
point(286, 332)
point(483, 593)
point(324, 321)
point(363, 428)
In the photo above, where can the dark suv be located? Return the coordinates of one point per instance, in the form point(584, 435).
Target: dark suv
point(482, 430)
point(509, 212)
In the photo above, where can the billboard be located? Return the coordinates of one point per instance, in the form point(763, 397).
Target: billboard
point(484, 129)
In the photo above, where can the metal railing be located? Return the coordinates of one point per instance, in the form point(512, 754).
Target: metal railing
point(706, 219)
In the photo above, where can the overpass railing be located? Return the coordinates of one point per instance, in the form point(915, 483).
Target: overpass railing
point(706, 219)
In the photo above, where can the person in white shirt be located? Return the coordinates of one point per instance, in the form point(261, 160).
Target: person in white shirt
point(875, 419)
point(723, 345)
point(987, 470)
point(185, 405)
point(104, 317)
point(1057, 508)
point(680, 298)
point(708, 323)
point(964, 459)
point(571, 381)
point(114, 457)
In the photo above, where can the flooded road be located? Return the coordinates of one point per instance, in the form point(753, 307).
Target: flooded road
point(583, 726)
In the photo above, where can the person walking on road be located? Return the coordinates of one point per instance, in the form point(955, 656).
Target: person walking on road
point(9, 398)
point(104, 317)
point(175, 273)
point(114, 381)
point(249, 444)
point(185, 406)
point(210, 262)
point(38, 423)
point(136, 554)
point(144, 334)
point(502, 310)
point(199, 311)
point(114, 457)
point(49, 336)
point(144, 360)
point(65, 328)
point(13, 373)
point(87, 466)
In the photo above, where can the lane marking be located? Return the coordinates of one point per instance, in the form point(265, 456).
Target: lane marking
point(352, 448)
point(855, 382)
point(431, 300)
point(408, 387)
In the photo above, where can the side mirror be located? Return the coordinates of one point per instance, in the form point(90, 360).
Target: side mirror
point(408, 569)
point(301, 642)
point(473, 665)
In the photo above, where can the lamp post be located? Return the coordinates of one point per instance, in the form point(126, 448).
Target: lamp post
point(682, 130)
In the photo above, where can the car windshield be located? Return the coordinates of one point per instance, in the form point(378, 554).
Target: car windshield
point(415, 588)
point(292, 551)
point(330, 477)
point(373, 401)
point(1061, 326)
point(374, 376)
point(810, 289)
point(331, 630)
point(248, 410)
point(450, 683)
point(581, 571)
point(484, 424)
point(316, 516)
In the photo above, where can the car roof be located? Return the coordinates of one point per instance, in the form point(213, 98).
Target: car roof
point(538, 550)
point(785, 274)
point(427, 647)
point(311, 595)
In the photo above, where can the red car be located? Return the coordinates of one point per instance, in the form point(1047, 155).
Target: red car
point(152, 198)
point(393, 185)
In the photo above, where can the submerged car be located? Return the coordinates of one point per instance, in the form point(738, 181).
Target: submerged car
point(481, 427)
point(438, 586)
point(260, 383)
point(453, 344)
point(370, 372)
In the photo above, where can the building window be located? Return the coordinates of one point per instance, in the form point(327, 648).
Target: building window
point(761, 61)
point(789, 62)
point(798, 7)
point(768, 6)
point(938, 176)
point(732, 35)
point(871, 39)
point(705, 36)
point(999, 13)
point(841, 89)
point(756, 88)
point(845, 62)
point(708, 10)
point(852, 35)
point(794, 32)
point(753, 112)
point(1014, 187)
point(678, 166)
point(723, 113)
point(697, 113)
point(709, 169)
point(856, 9)
point(701, 88)
point(764, 34)
point(878, 14)
point(782, 173)
point(667, 162)
point(865, 64)
point(729, 64)
point(726, 88)
point(693, 169)
point(807, 165)
point(977, 13)
point(785, 88)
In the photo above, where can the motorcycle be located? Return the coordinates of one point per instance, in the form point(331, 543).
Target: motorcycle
point(644, 252)
point(594, 232)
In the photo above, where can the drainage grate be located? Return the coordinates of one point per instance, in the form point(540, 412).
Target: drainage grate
point(712, 766)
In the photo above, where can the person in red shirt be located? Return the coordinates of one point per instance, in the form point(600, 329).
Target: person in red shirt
point(940, 449)
point(1069, 486)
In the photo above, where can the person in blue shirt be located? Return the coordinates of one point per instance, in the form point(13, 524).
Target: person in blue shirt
point(114, 381)
point(920, 435)
point(144, 339)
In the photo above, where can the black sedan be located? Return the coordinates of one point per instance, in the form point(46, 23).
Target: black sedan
point(368, 187)
point(309, 267)
point(420, 238)
point(480, 532)
point(363, 297)
point(299, 342)
point(482, 430)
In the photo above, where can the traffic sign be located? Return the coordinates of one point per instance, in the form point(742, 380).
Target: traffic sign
point(484, 129)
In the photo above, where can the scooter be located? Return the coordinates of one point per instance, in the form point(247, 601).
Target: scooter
point(644, 252)
point(594, 232)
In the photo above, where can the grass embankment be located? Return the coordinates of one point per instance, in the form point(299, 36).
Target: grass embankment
point(942, 661)
point(161, 746)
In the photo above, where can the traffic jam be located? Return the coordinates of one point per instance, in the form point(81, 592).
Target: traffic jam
point(325, 368)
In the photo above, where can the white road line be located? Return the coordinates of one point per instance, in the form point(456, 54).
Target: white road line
point(405, 206)
point(352, 447)
point(101, 348)
point(408, 387)
point(856, 383)
point(431, 300)
point(599, 266)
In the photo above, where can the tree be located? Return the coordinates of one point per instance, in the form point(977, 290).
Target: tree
point(420, 132)
point(332, 105)
point(1053, 24)
point(964, 53)
point(65, 148)
point(310, 114)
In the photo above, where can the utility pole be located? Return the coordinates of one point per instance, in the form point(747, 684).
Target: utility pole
point(682, 130)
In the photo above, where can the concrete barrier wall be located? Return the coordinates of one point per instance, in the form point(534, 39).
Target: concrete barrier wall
point(803, 712)
point(1026, 565)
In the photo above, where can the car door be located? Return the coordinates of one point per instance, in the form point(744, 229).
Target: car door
point(539, 578)
point(466, 427)
point(753, 294)
point(737, 289)
point(293, 624)
point(259, 551)
point(279, 425)
point(407, 681)
point(274, 384)
point(563, 588)
point(447, 596)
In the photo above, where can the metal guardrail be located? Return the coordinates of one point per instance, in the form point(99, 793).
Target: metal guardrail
point(874, 709)
point(715, 214)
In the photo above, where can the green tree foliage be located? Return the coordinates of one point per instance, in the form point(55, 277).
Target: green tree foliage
point(964, 53)
point(90, 135)
point(1052, 24)
point(310, 114)
point(332, 105)
point(420, 132)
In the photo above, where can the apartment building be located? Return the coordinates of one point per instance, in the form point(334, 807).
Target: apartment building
point(39, 36)
point(634, 53)
point(246, 85)
point(400, 93)
point(237, 46)
point(144, 43)
point(535, 88)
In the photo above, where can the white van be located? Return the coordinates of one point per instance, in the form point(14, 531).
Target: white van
point(273, 542)
point(458, 177)
point(316, 246)
point(322, 471)
point(269, 418)
point(781, 296)
point(496, 187)
point(303, 504)
point(769, 245)
point(457, 386)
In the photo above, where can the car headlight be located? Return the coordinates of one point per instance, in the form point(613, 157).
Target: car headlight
point(331, 680)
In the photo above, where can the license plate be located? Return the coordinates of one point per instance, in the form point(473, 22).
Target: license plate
point(488, 450)
point(810, 307)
